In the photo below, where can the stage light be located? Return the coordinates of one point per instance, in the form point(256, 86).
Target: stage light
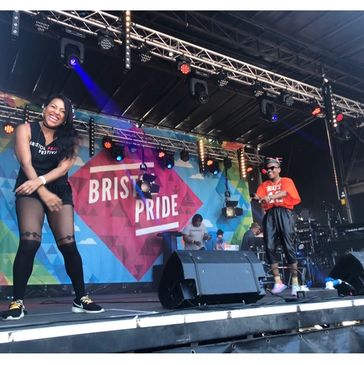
point(287, 99)
point(126, 40)
point(144, 53)
point(15, 24)
point(41, 23)
point(183, 65)
point(258, 90)
point(199, 90)
point(201, 155)
point(242, 163)
point(316, 110)
point(105, 41)
point(107, 142)
point(222, 79)
point(146, 186)
point(169, 161)
point(249, 169)
point(268, 110)
point(165, 159)
point(72, 52)
point(339, 117)
point(184, 155)
point(117, 152)
point(227, 163)
point(212, 166)
point(231, 210)
point(9, 128)
point(91, 136)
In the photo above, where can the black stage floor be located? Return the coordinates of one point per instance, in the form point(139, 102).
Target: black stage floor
point(316, 322)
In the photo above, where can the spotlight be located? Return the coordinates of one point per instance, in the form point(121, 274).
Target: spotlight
point(166, 160)
point(73, 52)
point(231, 209)
point(287, 99)
point(107, 142)
point(339, 117)
point(117, 152)
point(144, 53)
point(249, 169)
point(268, 110)
point(227, 163)
point(169, 161)
point(316, 110)
point(146, 186)
point(258, 90)
point(133, 148)
point(183, 65)
point(212, 166)
point(105, 41)
point(222, 78)
point(184, 155)
point(199, 90)
point(41, 23)
point(9, 128)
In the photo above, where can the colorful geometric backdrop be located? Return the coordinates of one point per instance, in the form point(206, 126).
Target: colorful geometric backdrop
point(116, 233)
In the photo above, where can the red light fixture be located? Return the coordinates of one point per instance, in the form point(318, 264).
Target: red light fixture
point(183, 66)
point(107, 143)
point(339, 117)
point(316, 110)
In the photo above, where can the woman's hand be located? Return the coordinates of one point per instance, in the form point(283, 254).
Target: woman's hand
point(52, 201)
point(29, 187)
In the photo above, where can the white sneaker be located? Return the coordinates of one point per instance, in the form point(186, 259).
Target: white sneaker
point(295, 289)
point(278, 288)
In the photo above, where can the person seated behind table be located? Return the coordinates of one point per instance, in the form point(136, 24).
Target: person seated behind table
point(252, 232)
point(220, 242)
point(195, 234)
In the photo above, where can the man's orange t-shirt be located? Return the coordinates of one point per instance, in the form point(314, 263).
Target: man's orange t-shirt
point(270, 188)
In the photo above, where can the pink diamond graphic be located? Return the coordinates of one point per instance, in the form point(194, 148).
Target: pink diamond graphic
point(105, 198)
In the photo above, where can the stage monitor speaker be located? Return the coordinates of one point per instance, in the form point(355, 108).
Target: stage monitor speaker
point(202, 277)
point(350, 268)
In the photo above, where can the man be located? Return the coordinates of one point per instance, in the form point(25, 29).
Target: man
point(252, 232)
point(278, 196)
point(195, 234)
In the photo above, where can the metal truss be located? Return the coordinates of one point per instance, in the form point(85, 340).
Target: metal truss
point(202, 59)
point(131, 137)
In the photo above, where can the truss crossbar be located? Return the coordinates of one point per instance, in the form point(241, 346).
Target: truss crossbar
point(129, 137)
point(208, 61)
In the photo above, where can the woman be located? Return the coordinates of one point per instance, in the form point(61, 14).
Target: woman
point(46, 150)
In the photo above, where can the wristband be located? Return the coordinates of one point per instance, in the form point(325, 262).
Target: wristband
point(42, 178)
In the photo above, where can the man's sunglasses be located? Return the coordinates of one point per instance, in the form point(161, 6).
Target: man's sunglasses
point(271, 168)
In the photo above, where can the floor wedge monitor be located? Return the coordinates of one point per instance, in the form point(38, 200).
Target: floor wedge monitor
point(192, 278)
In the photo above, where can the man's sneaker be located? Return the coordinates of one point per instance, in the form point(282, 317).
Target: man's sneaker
point(16, 311)
point(278, 288)
point(295, 289)
point(86, 305)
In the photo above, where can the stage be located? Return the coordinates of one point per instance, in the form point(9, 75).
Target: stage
point(317, 321)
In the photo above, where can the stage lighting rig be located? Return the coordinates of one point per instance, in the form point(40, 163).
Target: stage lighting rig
point(268, 110)
point(146, 186)
point(72, 52)
point(199, 90)
point(105, 41)
point(184, 155)
point(183, 65)
point(212, 166)
point(231, 210)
